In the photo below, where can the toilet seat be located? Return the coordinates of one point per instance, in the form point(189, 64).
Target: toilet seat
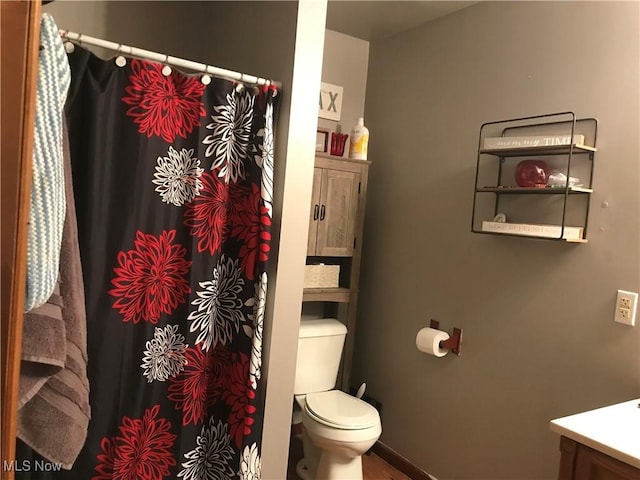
point(339, 410)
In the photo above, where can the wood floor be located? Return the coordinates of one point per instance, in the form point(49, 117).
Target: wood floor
point(373, 467)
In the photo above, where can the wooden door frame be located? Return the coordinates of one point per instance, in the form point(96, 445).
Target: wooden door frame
point(19, 64)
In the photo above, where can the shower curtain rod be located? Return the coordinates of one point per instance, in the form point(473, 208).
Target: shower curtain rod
point(167, 59)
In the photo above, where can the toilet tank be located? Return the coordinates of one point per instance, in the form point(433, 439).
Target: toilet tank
point(320, 343)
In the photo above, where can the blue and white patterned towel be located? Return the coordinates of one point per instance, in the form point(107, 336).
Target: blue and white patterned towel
point(48, 205)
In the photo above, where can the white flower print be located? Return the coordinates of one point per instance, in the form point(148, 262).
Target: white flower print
point(265, 159)
point(219, 312)
point(210, 459)
point(178, 176)
point(229, 141)
point(258, 303)
point(250, 467)
point(164, 355)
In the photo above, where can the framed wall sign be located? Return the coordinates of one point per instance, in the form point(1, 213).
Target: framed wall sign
point(330, 106)
point(322, 140)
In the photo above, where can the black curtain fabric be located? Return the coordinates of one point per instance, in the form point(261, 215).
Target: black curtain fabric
point(173, 182)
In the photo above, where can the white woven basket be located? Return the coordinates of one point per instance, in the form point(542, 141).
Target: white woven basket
point(321, 276)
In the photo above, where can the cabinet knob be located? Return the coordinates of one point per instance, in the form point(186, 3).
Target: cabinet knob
point(322, 211)
point(316, 209)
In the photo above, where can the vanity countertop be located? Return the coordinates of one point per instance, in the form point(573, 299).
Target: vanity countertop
point(612, 430)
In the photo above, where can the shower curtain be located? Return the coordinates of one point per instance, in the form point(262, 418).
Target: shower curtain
point(173, 182)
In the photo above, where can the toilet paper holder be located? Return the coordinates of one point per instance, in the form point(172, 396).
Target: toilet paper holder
point(454, 343)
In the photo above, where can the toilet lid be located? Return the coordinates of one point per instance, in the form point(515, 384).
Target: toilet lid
point(336, 408)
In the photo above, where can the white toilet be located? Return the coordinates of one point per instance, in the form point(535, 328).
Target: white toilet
point(337, 428)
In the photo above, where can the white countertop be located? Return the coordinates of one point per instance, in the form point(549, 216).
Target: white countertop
point(612, 430)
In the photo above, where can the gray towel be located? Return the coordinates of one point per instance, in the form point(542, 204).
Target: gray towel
point(53, 407)
point(44, 346)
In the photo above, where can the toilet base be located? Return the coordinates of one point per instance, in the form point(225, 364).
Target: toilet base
point(303, 471)
point(332, 467)
point(339, 467)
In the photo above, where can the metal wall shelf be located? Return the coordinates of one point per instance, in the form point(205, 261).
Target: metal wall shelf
point(500, 162)
point(540, 150)
point(534, 191)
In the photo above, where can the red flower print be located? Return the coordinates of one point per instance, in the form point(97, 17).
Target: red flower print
point(151, 278)
point(105, 459)
point(239, 394)
point(207, 215)
point(200, 384)
point(163, 106)
point(251, 224)
point(142, 451)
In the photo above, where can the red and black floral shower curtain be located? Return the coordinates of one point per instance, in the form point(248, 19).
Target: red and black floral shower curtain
point(173, 182)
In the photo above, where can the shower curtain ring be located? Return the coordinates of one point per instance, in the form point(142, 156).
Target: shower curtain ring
point(166, 70)
point(121, 61)
point(69, 47)
point(205, 78)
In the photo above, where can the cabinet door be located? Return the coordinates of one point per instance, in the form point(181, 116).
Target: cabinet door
point(315, 212)
point(338, 211)
point(593, 465)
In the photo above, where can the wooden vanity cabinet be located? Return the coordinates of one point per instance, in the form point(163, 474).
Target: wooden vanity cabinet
point(579, 462)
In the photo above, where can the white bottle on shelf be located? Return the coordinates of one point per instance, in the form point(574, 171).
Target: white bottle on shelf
point(358, 141)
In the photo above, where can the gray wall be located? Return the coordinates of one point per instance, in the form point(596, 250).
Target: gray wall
point(171, 27)
point(539, 337)
point(345, 62)
point(89, 18)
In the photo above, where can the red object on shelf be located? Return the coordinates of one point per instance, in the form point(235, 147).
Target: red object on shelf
point(338, 141)
point(532, 173)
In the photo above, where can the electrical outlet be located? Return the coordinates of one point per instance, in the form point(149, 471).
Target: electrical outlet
point(626, 306)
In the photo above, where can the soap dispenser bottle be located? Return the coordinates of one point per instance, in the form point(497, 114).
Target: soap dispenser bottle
point(358, 141)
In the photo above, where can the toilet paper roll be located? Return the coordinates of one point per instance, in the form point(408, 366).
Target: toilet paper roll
point(428, 341)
